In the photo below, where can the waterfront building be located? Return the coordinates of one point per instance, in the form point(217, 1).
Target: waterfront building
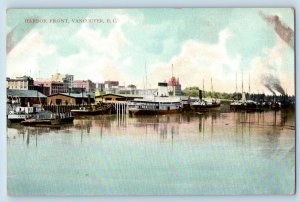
point(70, 99)
point(54, 87)
point(111, 86)
point(100, 87)
point(26, 97)
point(42, 89)
point(86, 85)
point(20, 83)
point(63, 78)
point(68, 79)
point(58, 77)
point(76, 90)
point(174, 87)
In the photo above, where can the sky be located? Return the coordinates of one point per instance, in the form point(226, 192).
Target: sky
point(139, 46)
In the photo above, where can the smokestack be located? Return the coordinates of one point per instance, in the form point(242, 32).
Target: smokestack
point(89, 99)
point(200, 95)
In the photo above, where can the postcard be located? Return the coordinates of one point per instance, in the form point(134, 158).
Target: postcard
point(156, 101)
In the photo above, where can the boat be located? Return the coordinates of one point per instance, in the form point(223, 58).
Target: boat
point(247, 105)
point(158, 105)
point(16, 113)
point(92, 110)
point(18, 116)
point(47, 118)
point(154, 107)
point(202, 105)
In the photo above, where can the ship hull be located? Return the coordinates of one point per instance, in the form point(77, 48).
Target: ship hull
point(201, 108)
point(45, 122)
point(135, 112)
point(17, 118)
point(252, 108)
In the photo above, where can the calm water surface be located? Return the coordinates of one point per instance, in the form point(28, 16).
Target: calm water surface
point(222, 153)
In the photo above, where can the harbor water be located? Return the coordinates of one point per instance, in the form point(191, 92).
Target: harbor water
point(181, 154)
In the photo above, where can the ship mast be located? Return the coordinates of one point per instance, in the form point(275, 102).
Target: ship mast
point(173, 84)
point(145, 76)
point(202, 88)
point(249, 83)
point(212, 89)
point(242, 82)
point(236, 88)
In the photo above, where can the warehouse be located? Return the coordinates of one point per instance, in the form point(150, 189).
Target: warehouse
point(70, 99)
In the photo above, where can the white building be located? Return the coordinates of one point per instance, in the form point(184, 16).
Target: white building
point(20, 83)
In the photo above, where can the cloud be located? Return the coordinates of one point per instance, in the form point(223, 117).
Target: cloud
point(273, 64)
point(197, 61)
point(23, 59)
point(94, 41)
point(100, 55)
point(97, 68)
point(127, 62)
point(124, 19)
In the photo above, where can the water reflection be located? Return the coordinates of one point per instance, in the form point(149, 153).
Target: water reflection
point(245, 129)
point(198, 149)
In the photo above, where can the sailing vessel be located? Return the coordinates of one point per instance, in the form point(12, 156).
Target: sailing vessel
point(245, 104)
point(158, 105)
point(201, 105)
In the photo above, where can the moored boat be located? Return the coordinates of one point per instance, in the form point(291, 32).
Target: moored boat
point(48, 118)
point(92, 110)
point(199, 106)
point(17, 113)
point(158, 105)
point(154, 107)
point(202, 105)
point(247, 105)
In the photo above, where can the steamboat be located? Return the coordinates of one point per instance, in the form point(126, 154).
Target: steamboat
point(157, 105)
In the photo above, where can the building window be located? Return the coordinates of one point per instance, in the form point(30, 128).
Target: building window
point(58, 101)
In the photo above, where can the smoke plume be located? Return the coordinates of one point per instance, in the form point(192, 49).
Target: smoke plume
point(272, 83)
point(282, 30)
